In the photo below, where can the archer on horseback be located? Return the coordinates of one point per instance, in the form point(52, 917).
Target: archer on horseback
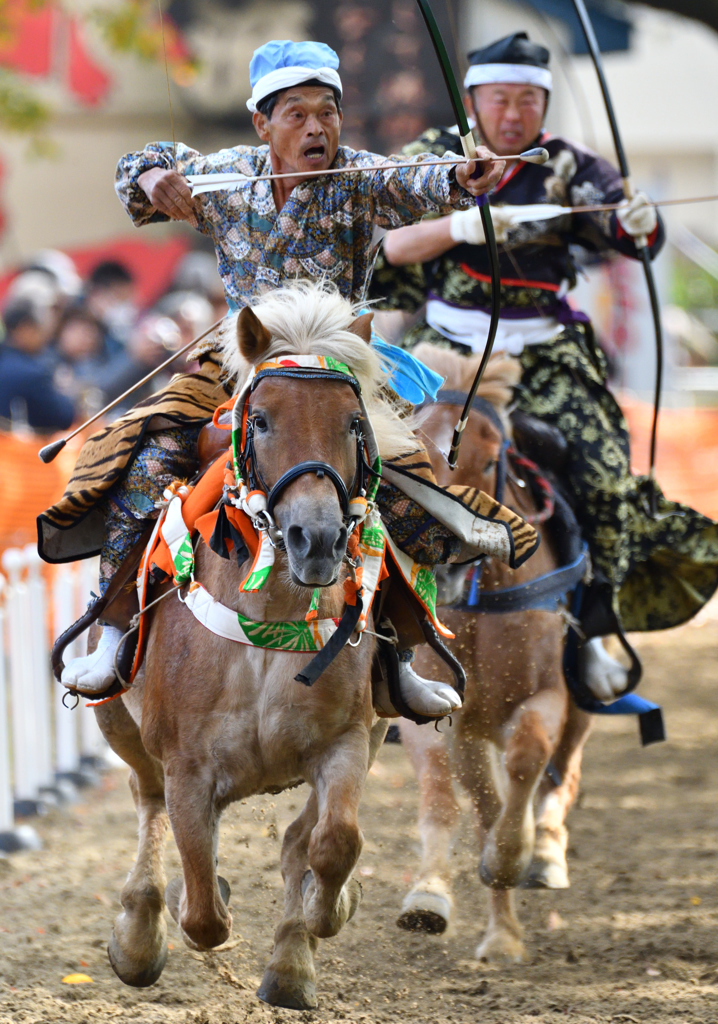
point(651, 571)
point(266, 233)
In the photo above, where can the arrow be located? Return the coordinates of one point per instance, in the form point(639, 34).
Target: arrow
point(549, 211)
point(202, 183)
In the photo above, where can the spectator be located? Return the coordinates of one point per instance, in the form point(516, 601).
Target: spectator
point(27, 392)
point(197, 272)
point(84, 372)
point(40, 288)
point(190, 310)
point(152, 341)
point(110, 296)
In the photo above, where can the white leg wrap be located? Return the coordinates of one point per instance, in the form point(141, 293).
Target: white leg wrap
point(95, 672)
point(425, 696)
point(605, 677)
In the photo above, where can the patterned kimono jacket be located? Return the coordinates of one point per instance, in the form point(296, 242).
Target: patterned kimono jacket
point(659, 571)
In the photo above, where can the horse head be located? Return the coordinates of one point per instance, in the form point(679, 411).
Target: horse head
point(306, 452)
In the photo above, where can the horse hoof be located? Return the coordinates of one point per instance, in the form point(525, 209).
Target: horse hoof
point(131, 973)
point(288, 992)
point(424, 911)
point(502, 947)
point(546, 875)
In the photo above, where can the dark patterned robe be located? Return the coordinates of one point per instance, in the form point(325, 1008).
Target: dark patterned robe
point(661, 571)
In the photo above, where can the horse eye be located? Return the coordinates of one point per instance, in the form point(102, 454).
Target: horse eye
point(259, 422)
point(489, 465)
point(355, 427)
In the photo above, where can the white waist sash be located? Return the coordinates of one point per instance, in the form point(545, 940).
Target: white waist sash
point(471, 327)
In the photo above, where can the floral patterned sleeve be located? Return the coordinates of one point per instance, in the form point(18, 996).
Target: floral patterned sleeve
point(405, 195)
point(180, 158)
point(156, 154)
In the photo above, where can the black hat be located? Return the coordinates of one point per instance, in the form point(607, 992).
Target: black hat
point(513, 59)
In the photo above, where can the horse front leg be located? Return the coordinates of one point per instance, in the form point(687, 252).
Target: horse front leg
point(331, 896)
point(548, 868)
point(290, 979)
point(198, 900)
point(138, 945)
point(427, 907)
point(533, 732)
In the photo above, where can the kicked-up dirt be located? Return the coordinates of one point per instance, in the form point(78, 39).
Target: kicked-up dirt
point(635, 938)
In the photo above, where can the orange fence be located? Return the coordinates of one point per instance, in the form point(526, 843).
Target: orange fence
point(687, 467)
point(687, 454)
point(27, 486)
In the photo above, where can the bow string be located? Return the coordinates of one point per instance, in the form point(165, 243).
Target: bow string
point(640, 242)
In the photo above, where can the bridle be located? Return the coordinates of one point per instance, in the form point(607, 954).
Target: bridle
point(252, 474)
point(447, 396)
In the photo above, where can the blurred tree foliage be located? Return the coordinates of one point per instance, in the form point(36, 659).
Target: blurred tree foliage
point(133, 27)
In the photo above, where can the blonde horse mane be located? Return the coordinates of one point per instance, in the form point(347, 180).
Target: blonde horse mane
point(501, 377)
point(305, 318)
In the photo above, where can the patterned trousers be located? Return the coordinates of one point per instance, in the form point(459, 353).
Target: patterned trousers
point(165, 455)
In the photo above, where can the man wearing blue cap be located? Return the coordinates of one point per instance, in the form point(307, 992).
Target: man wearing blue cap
point(650, 572)
point(265, 233)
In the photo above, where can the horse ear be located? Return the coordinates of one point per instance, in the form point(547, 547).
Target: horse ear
point(362, 327)
point(253, 338)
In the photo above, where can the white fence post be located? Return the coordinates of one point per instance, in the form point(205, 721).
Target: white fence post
point(12, 837)
point(6, 813)
point(26, 777)
point(36, 626)
point(67, 753)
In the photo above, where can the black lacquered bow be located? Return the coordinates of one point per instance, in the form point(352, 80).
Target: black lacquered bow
point(469, 148)
point(640, 242)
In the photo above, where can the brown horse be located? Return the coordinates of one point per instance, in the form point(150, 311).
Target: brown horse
point(517, 716)
point(210, 721)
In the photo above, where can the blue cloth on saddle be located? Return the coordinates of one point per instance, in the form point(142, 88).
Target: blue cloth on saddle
point(411, 379)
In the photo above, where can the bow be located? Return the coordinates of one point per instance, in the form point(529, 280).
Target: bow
point(640, 242)
point(469, 148)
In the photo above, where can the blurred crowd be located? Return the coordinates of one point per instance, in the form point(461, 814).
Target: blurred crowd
point(69, 346)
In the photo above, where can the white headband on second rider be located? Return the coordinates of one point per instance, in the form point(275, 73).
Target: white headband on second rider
point(508, 74)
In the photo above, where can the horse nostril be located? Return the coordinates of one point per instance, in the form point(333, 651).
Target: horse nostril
point(340, 544)
point(298, 540)
point(317, 542)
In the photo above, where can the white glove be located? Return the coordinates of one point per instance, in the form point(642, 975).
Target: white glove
point(466, 225)
point(637, 217)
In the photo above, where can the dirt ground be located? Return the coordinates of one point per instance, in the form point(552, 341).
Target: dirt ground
point(635, 939)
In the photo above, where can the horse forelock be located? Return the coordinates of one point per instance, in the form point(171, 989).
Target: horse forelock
point(307, 318)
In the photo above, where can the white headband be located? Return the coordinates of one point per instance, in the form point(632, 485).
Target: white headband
point(285, 78)
point(508, 74)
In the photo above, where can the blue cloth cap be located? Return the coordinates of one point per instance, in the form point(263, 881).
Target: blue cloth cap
point(282, 63)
